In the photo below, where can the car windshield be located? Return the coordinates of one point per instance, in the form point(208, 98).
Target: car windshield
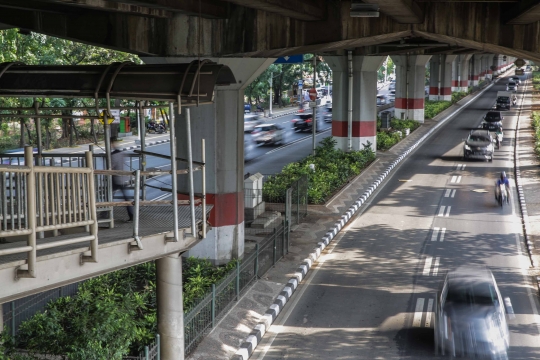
point(503, 99)
point(306, 116)
point(479, 293)
point(265, 128)
point(492, 116)
point(478, 138)
point(512, 84)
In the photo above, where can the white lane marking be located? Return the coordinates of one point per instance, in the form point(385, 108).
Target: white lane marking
point(454, 178)
point(458, 179)
point(436, 266)
point(453, 193)
point(458, 166)
point(448, 211)
point(427, 266)
point(435, 234)
point(447, 193)
point(443, 230)
point(418, 312)
point(441, 210)
point(429, 313)
point(463, 166)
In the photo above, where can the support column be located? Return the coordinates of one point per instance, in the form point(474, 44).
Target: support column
point(488, 61)
point(464, 61)
point(364, 115)
point(477, 70)
point(410, 86)
point(170, 310)
point(455, 75)
point(441, 83)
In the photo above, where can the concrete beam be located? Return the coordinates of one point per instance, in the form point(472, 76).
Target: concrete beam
point(402, 11)
point(526, 12)
point(306, 10)
point(207, 8)
point(108, 5)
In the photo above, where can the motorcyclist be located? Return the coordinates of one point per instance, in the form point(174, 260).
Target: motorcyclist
point(504, 180)
point(499, 135)
point(514, 100)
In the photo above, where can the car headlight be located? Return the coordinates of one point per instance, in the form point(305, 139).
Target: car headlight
point(467, 147)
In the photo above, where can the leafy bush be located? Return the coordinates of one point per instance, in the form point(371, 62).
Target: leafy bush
point(333, 169)
point(404, 124)
point(385, 139)
point(536, 125)
point(456, 96)
point(536, 80)
point(432, 108)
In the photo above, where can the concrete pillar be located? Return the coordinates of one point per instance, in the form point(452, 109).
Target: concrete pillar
point(441, 88)
point(221, 124)
point(410, 86)
point(170, 311)
point(488, 62)
point(464, 61)
point(455, 76)
point(477, 70)
point(364, 114)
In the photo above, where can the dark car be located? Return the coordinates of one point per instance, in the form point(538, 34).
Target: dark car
point(328, 114)
point(479, 144)
point(381, 100)
point(247, 108)
point(503, 102)
point(516, 79)
point(493, 116)
point(304, 122)
point(470, 316)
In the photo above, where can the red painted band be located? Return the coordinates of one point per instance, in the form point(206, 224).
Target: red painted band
point(474, 77)
point(433, 90)
point(224, 212)
point(464, 83)
point(401, 103)
point(446, 91)
point(359, 128)
point(454, 83)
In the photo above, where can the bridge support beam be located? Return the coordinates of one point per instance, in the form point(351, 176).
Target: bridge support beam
point(170, 311)
point(441, 83)
point(410, 86)
point(364, 104)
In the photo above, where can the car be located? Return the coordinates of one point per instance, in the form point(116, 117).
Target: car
point(392, 96)
point(268, 134)
point(248, 147)
point(328, 114)
point(247, 108)
point(516, 79)
point(493, 117)
point(392, 86)
point(304, 122)
point(250, 121)
point(382, 100)
point(528, 68)
point(479, 144)
point(470, 315)
point(511, 86)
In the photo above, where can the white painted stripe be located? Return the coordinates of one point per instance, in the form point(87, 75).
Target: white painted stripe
point(443, 230)
point(441, 210)
point(447, 193)
point(458, 179)
point(459, 166)
point(427, 266)
point(429, 313)
point(448, 211)
point(418, 312)
point(453, 179)
point(436, 266)
point(463, 166)
point(453, 193)
point(435, 234)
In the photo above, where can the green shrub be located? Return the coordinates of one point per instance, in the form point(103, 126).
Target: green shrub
point(536, 80)
point(385, 140)
point(432, 108)
point(456, 96)
point(404, 124)
point(536, 125)
point(333, 169)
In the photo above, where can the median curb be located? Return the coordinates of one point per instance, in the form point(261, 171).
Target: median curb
point(256, 335)
point(147, 144)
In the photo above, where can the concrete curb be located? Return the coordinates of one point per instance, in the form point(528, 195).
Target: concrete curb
point(290, 112)
point(521, 197)
point(147, 144)
point(254, 338)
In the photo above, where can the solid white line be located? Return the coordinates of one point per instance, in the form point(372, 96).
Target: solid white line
point(443, 230)
point(436, 266)
point(418, 312)
point(447, 193)
point(463, 167)
point(459, 166)
point(429, 313)
point(453, 179)
point(448, 211)
point(435, 234)
point(441, 210)
point(427, 266)
point(453, 193)
point(458, 179)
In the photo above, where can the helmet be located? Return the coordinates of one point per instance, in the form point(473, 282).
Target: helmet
point(503, 175)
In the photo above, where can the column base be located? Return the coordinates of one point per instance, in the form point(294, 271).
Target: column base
point(220, 243)
point(357, 142)
point(411, 114)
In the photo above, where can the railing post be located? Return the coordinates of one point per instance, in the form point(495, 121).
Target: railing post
point(203, 186)
point(174, 179)
point(257, 261)
point(146, 353)
point(13, 318)
point(298, 201)
point(285, 231)
point(142, 137)
point(31, 213)
point(274, 252)
point(136, 207)
point(93, 212)
point(213, 305)
point(237, 280)
point(158, 342)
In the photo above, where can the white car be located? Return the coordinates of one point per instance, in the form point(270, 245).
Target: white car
point(268, 134)
point(516, 79)
point(250, 121)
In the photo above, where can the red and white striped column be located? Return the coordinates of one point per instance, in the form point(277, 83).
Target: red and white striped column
point(364, 105)
point(476, 71)
point(410, 86)
point(441, 77)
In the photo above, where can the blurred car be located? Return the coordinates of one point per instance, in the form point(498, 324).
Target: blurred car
point(382, 100)
point(392, 96)
point(528, 68)
point(250, 121)
point(392, 86)
point(328, 114)
point(493, 117)
point(516, 79)
point(247, 108)
point(470, 315)
point(304, 122)
point(479, 144)
point(248, 148)
point(268, 134)
point(511, 86)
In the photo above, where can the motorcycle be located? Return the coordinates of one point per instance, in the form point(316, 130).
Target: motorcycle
point(498, 140)
point(156, 128)
point(514, 101)
point(502, 195)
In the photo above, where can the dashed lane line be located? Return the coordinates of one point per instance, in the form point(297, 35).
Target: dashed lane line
point(417, 319)
point(427, 266)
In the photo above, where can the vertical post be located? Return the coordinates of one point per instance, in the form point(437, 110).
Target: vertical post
point(146, 353)
point(13, 318)
point(285, 231)
point(237, 280)
point(349, 101)
point(190, 167)
point(1, 318)
point(31, 212)
point(142, 137)
point(92, 208)
point(174, 182)
point(314, 120)
point(274, 248)
point(203, 187)
point(271, 79)
point(158, 343)
point(170, 310)
point(213, 306)
point(298, 201)
point(257, 261)
point(136, 204)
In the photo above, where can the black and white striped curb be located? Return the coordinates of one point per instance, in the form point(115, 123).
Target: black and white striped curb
point(521, 195)
point(291, 112)
point(147, 144)
point(254, 338)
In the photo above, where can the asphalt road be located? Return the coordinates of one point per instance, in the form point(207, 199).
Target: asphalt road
point(368, 296)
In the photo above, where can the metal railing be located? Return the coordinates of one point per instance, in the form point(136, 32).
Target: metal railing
point(36, 199)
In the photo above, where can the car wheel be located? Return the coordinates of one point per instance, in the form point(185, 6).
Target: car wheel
point(491, 158)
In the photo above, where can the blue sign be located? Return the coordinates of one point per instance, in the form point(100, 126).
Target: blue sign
point(300, 82)
point(294, 59)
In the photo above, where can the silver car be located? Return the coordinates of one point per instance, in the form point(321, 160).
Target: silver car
point(470, 316)
point(268, 134)
point(250, 121)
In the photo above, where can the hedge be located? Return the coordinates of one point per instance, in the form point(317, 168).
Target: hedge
point(536, 125)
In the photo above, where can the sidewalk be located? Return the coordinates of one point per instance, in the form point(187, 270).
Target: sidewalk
point(323, 222)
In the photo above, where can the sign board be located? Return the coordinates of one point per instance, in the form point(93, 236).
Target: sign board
point(312, 94)
point(519, 72)
point(114, 119)
point(293, 59)
point(519, 62)
point(313, 104)
point(300, 83)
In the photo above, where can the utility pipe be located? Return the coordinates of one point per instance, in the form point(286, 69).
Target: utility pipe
point(349, 101)
point(142, 137)
point(439, 79)
point(174, 176)
point(407, 83)
point(459, 72)
point(190, 167)
point(314, 119)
